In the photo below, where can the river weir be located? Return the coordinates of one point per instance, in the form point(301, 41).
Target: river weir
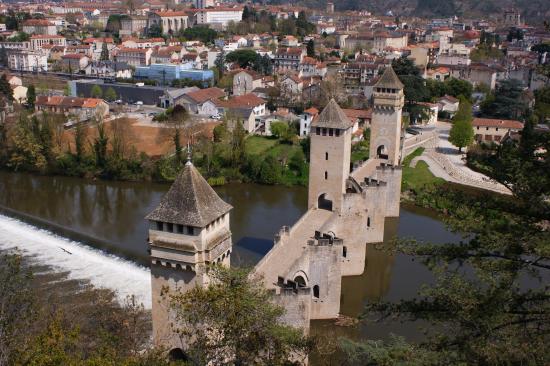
point(80, 261)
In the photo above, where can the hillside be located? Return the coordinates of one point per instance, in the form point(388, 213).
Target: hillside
point(532, 10)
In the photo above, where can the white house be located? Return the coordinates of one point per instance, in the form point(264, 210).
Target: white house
point(305, 120)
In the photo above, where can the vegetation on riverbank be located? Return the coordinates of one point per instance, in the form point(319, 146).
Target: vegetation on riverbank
point(47, 319)
point(490, 289)
point(40, 144)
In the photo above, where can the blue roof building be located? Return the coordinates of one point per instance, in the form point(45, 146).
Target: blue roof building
point(166, 73)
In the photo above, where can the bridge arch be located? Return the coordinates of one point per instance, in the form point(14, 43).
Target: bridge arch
point(177, 354)
point(324, 202)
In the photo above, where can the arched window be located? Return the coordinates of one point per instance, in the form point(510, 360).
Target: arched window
point(300, 281)
point(316, 291)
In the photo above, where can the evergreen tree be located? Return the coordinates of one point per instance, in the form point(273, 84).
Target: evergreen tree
point(311, 48)
point(220, 63)
point(110, 94)
point(462, 132)
point(31, 96)
point(3, 56)
point(96, 92)
point(5, 88)
point(104, 52)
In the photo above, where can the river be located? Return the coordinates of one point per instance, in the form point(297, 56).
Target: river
point(95, 230)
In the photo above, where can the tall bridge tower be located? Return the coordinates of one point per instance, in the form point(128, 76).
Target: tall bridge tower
point(386, 119)
point(330, 157)
point(188, 230)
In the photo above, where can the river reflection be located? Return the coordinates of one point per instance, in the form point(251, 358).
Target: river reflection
point(110, 214)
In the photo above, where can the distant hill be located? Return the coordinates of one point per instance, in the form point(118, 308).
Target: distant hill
point(532, 10)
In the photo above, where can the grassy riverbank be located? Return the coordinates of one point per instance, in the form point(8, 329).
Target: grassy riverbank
point(420, 176)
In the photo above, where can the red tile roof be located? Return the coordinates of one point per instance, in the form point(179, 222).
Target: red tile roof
point(37, 22)
point(246, 101)
point(202, 95)
point(353, 114)
point(504, 123)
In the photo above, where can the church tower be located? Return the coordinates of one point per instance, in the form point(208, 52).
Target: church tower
point(188, 231)
point(386, 120)
point(330, 155)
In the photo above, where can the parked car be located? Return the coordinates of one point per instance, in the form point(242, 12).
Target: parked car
point(216, 116)
point(412, 131)
point(139, 102)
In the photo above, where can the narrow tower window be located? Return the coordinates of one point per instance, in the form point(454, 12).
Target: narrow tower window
point(326, 156)
point(326, 175)
point(344, 252)
point(316, 291)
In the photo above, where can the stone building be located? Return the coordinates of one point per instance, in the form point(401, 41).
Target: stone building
point(39, 26)
point(39, 40)
point(188, 230)
point(170, 21)
point(133, 25)
point(288, 59)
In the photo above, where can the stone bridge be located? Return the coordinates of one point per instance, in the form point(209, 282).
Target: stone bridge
point(347, 210)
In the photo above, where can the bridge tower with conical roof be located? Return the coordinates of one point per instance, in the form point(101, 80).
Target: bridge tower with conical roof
point(188, 231)
point(330, 156)
point(386, 123)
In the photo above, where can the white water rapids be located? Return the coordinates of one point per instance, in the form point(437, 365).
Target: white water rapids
point(80, 261)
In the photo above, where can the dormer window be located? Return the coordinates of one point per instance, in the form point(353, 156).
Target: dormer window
point(170, 227)
point(160, 226)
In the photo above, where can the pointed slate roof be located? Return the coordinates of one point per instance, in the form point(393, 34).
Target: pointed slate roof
point(389, 80)
point(332, 117)
point(190, 201)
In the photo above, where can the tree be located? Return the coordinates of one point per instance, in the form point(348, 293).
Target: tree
point(414, 85)
point(31, 96)
point(279, 129)
point(104, 52)
point(16, 302)
point(5, 88)
point(177, 122)
point(507, 102)
point(3, 56)
point(462, 132)
point(220, 63)
point(155, 30)
point(311, 48)
point(244, 58)
point(204, 34)
point(110, 94)
point(489, 302)
point(238, 312)
point(100, 146)
point(96, 92)
point(79, 141)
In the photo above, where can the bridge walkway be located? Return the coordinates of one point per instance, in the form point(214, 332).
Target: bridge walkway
point(291, 246)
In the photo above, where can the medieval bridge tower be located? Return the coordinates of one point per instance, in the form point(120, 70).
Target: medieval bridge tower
point(189, 230)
